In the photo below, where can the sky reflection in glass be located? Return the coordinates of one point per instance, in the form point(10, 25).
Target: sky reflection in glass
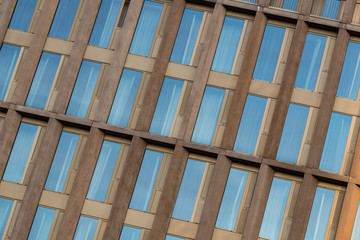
point(22, 15)
point(42, 224)
point(86, 228)
point(63, 19)
point(5, 208)
point(8, 58)
point(130, 233)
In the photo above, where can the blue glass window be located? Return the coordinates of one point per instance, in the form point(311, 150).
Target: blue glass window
point(84, 88)
point(186, 36)
point(350, 75)
point(146, 180)
point(208, 115)
point(356, 229)
point(42, 224)
point(310, 62)
point(146, 28)
point(105, 22)
point(320, 213)
point(335, 143)
point(166, 106)
point(130, 233)
point(125, 98)
point(231, 200)
point(269, 53)
point(63, 19)
point(22, 15)
point(228, 43)
point(86, 228)
point(292, 134)
point(5, 208)
point(275, 208)
point(168, 237)
point(290, 4)
point(20, 152)
point(189, 188)
point(103, 171)
point(250, 123)
point(43, 80)
point(331, 9)
point(8, 57)
point(61, 162)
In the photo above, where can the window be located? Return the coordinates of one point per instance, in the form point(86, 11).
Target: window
point(310, 62)
point(20, 153)
point(5, 208)
point(269, 53)
point(186, 36)
point(327, 8)
point(43, 80)
point(208, 115)
point(166, 106)
point(84, 88)
point(105, 22)
point(8, 57)
point(146, 28)
point(335, 143)
point(125, 98)
point(22, 15)
point(285, 4)
point(42, 223)
point(86, 228)
point(168, 237)
point(228, 44)
point(356, 229)
point(250, 123)
point(130, 233)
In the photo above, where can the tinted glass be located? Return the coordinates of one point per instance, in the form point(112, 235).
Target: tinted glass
point(5, 208)
point(22, 15)
point(130, 233)
point(42, 224)
point(86, 228)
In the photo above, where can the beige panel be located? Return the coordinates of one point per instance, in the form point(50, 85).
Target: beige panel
point(182, 228)
point(306, 97)
point(347, 106)
point(12, 190)
point(53, 199)
point(58, 46)
point(220, 234)
point(99, 54)
point(96, 209)
point(139, 219)
point(17, 37)
point(263, 88)
point(180, 71)
point(139, 62)
point(219, 79)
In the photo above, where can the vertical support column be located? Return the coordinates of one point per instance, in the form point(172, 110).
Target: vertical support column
point(6, 12)
point(348, 13)
point(81, 184)
point(37, 180)
point(305, 8)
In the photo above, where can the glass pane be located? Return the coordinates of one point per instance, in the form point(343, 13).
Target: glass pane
point(166, 106)
point(105, 22)
point(5, 208)
point(250, 124)
point(103, 171)
point(146, 180)
point(64, 18)
point(320, 213)
point(42, 82)
point(269, 53)
point(20, 152)
point(356, 228)
point(168, 237)
point(189, 188)
point(331, 9)
point(61, 162)
point(86, 228)
point(335, 142)
point(125, 98)
point(22, 15)
point(228, 43)
point(8, 57)
point(292, 134)
point(290, 4)
point(231, 200)
point(130, 233)
point(186, 36)
point(42, 223)
point(146, 28)
point(275, 208)
point(208, 115)
point(350, 75)
point(310, 62)
point(84, 88)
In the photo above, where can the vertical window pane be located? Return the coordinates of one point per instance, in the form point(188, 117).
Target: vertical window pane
point(292, 134)
point(105, 22)
point(228, 43)
point(250, 124)
point(310, 62)
point(331, 9)
point(186, 37)
point(208, 115)
point(42, 82)
point(275, 208)
point(130, 233)
point(5, 208)
point(125, 98)
point(103, 171)
point(61, 162)
point(22, 15)
point(189, 188)
point(20, 152)
point(8, 57)
point(290, 5)
point(350, 75)
point(335, 142)
point(42, 223)
point(64, 18)
point(84, 88)
point(320, 213)
point(168, 237)
point(146, 180)
point(146, 28)
point(231, 200)
point(356, 228)
point(269, 53)
point(166, 106)
point(86, 228)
